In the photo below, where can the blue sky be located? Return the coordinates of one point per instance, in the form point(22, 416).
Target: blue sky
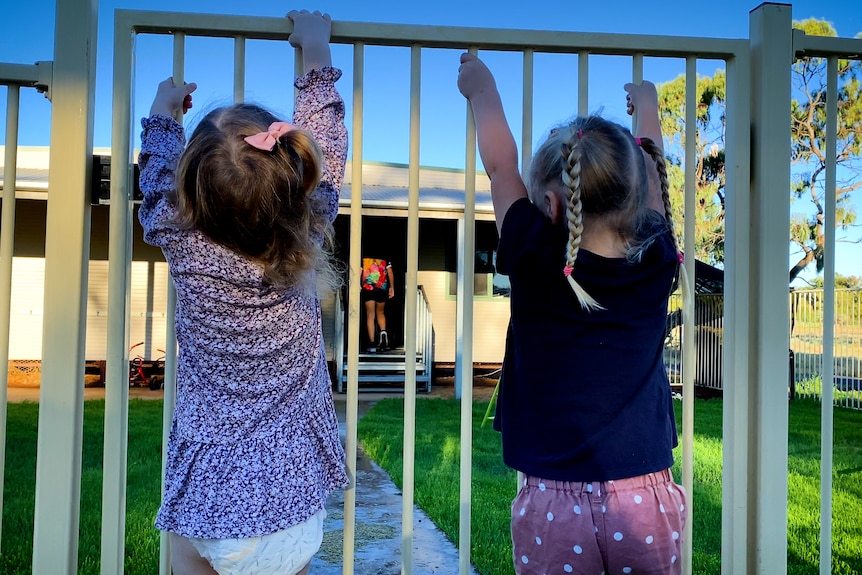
point(386, 110)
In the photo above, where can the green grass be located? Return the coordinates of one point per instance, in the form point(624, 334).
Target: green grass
point(143, 492)
point(437, 462)
point(813, 387)
point(437, 457)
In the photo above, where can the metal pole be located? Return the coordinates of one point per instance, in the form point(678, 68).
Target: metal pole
point(411, 289)
point(772, 52)
point(67, 250)
point(7, 251)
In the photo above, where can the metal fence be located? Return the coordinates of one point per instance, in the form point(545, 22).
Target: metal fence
point(708, 341)
point(806, 344)
point(754, 491)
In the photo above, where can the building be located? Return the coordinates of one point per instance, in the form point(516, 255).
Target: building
point(384, 224)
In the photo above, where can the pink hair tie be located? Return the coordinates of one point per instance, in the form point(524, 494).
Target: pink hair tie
point(267, 140)
point(638, 140)
point(680, 258)
point(567, 271)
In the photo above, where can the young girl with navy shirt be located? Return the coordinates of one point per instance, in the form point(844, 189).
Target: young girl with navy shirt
point(242, 215)
point(585, 406)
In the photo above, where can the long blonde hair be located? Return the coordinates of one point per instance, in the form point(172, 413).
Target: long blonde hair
point(602, 172)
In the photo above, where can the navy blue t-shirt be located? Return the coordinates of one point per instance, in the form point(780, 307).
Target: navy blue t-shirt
point(584, 395)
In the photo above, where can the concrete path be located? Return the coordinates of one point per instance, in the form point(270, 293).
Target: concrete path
point(378, 523)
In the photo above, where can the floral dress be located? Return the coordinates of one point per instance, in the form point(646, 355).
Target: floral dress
point(254, 445)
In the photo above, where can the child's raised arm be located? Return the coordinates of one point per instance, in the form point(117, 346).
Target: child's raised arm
point(311, 33)
point(642, 104)
point(319, 107)
point(162, 143)
point(172, 101)
point(642, 99)
point(496, 143)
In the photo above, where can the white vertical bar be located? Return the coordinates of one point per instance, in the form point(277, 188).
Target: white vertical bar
point(298, 67)
point(735, 412)
point(772, 51)
point(179, 64)
point(527, 113)
point(7, 250)
point(465, 280)
point(67, 250)
point(583, 83)
point(410, 316)
point(527, 131)
point(637, 78)
point(828, 377)
point(688, 328)
point(464, 345)
point(170, 393)
point(170, 400)
point(637, 68)
point(119, 268)
point(239, 69)
point(353, 313)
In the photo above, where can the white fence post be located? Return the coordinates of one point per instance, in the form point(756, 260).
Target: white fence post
point(771, 56)
point(67, 250)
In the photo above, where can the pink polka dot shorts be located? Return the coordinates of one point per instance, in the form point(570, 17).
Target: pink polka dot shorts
point(626, 526)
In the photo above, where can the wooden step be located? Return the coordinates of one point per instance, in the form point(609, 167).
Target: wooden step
point(383, 371)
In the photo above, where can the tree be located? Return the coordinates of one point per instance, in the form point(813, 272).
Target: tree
point(841, 282)
point(709, 169)
point(808, 148)
point(808, 155)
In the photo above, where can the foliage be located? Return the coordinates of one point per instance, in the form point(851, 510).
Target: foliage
point(808, 152)
point(709, 157)
point(841, 282)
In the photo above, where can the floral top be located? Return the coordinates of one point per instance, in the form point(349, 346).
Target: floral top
point(375, 274)
point(254, 445)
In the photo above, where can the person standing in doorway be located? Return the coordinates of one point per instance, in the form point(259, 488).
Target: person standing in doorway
point(378, 286)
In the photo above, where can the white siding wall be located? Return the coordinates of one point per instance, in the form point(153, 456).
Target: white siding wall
point(148, 318)
point(97, 311)
point(148, 304)
point(491, 322)
point(25, 322)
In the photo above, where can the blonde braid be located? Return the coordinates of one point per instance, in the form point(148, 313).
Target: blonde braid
point(574, 220)
point(656, 154)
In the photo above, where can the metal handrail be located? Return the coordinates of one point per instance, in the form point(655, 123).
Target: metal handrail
point(424, 338)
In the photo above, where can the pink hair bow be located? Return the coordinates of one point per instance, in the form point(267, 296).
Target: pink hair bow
point(267, 140)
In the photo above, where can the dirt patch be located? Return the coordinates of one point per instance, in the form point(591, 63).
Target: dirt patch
point(483, 387)
point(27, 373)
point(24, 373)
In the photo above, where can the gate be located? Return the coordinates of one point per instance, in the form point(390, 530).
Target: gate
point(757, 227)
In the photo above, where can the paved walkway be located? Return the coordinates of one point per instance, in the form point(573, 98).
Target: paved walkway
point(378, 523)
point(378, 507)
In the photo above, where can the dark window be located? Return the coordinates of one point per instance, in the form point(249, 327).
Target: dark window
point(486, 281)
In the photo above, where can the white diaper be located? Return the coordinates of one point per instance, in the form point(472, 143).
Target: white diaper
point(284, 552)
